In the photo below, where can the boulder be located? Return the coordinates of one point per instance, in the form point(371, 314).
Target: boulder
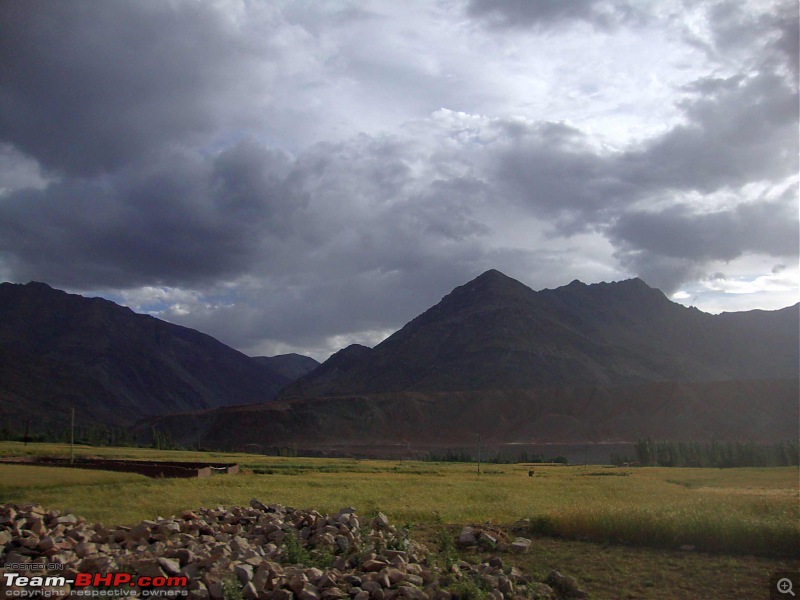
point(520, 545)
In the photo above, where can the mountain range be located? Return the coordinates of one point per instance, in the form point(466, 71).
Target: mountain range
point(60, 350)
point(580, 364)
point(496, 333)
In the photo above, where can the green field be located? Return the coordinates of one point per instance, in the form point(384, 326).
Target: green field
point(743, 521)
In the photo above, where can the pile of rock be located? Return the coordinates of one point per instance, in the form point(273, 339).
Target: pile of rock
point(488, 538)
point(262, 551)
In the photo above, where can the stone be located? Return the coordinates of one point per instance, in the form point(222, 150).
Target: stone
point(191, 570)
point(342, 543)
point(381, 521)
point(327, 580)
point(397, 556)
point(566, 585)
point(394, 575)
point(515, 572)
point(373, 565)
point(215, 590)
point(184, 556)
point(505, 585)
point(371, 586)
point(539, 591)
point(67, 520)
point(496, 562)
point(148, 567)
point(297, 582)
point(96, 564)
point(309, 592)
point(468, 536)
point(199, 590)
point(520, 545)
point(46, 543)
point(249, 591)
point(413, 593)
point(169, 566)
point(521, 525)
point(244, 572)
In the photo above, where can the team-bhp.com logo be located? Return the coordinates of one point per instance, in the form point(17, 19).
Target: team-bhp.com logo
point(95, 584)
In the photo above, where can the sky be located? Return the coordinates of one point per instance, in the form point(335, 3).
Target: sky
point(296, 176)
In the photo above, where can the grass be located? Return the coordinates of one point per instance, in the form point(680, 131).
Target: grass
point(750, 511)
point(614, 529)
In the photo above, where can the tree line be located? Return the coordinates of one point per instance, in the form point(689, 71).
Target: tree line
point(461, 455)
point(88, 435)
point(715, 454)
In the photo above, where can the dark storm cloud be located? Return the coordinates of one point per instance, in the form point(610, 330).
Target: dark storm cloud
point(670, 245)
point(551, 168)
point(87, 87)
point(766, 39)
point(547, 13)
point(737, 130)
point(189, 221)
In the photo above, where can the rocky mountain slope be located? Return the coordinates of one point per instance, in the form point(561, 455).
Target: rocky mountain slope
point(292, 366)
point(59, 350)
point(496, 333)
point(496, 361)
point(493, 360)
point(412, 423)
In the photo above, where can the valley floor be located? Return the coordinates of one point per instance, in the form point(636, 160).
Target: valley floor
point(617, 530)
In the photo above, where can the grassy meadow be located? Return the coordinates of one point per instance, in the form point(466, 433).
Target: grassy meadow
point(730, 515)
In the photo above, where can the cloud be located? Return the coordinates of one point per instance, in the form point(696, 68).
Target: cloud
point(671, 245)
point(88, 88)
point(190, 220)
point(549, 13)
point(766, 38)
point(291, 175)
point(737, 130)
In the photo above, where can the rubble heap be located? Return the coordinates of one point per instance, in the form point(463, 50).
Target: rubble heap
point(260, 552)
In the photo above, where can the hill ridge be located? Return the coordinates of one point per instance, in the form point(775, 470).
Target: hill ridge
point(59, 350)
point(494, 332)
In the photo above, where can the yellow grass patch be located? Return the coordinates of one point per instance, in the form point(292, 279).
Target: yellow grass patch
point(731, 510)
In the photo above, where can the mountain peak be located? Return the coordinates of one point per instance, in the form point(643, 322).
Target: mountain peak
point(496, 333)
point(491, 274)
point(493, 281)
point(38, 285)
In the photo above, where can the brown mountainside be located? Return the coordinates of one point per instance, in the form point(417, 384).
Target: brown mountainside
point(762, 411)
point(493, 360)
point(115, 366)
point(496, 333)
point(292, 366)
point(497, 362)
